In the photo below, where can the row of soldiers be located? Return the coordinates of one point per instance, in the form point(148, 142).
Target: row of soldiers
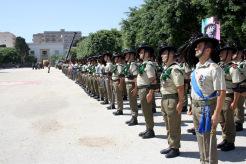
point(213, 78)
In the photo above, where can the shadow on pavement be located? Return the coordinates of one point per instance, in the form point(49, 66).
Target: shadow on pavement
point(161, 136)
point(188, 137)
point(190, 154)
point(242, 133)
point(237, 155)
point(187, 121)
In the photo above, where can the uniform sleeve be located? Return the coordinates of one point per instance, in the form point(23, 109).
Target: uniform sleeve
point(242, 68)
point(120, 69)
point(177, 77)
point(110, 67)
point(235, 75)
point(150, 70)
point(218, 78)
point(134, 69)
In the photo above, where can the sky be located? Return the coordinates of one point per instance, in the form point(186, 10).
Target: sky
point(27, 17)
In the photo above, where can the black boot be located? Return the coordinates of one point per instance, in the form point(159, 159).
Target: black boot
point(165, 151)
point(172, 153)
point(192, 130)
point(142, 133)
point(222, 144)
point(184, 109)
point(125, 98)
point(104, 102)
point(118, 112)
point(127, 122)
point(228, 147)
point(239, 127)
point(149, 134)
point(154, 110)
point(134, 121)
point(111, 107)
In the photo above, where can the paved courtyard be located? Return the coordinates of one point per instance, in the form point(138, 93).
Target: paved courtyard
point(48, 119)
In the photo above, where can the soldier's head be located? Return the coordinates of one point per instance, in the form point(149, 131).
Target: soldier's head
point(129, 54)
point(205, 47)
point(167, 53)
point(239, 54)
point(117, 57)
point(107, 56)
point(226, 51)
point(100, 58)
point(145, 51)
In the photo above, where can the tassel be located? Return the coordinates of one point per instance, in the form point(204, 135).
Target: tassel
point(208, 119)
point(205, 120)
point(202, 123)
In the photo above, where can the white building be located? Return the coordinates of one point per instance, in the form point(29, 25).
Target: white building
point(52, 43)
point(7, 38)
point(44, 50)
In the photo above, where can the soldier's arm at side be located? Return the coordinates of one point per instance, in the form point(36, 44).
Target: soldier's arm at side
point(180, 104)
point(235, 100)
point(219, 105)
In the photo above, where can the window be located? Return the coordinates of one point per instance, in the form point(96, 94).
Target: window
point(44, 52)
point(32, 52)
point(56, 52)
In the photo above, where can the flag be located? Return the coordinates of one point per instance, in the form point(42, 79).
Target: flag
point(211, 27)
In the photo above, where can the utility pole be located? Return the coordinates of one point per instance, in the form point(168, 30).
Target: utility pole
point(70, 45)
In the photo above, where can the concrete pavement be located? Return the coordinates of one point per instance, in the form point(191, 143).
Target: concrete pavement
point(48, 119)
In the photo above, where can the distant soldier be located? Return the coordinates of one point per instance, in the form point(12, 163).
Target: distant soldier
point(172, 90)
point(49, 65)
point(227, 114)
point(99, 74)
point(118, 83)
point(108, 74)
point(131, 71)
point(239, 60)
point(146, 79)
point(182, 51)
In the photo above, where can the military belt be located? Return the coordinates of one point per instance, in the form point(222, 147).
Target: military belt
point(200, 103)
point(229, 95)
point(115, 80)
point(170, 96)
point(150, 86)
point(130, 82)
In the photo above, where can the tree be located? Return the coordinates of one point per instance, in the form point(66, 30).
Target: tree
point(21, 48)
point(231, 14)
point(174, 21)
point(8, 55)
point(171, 21)
point(83, 47)
point(99, 42)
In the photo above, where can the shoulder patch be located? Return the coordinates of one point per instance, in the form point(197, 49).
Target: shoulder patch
point(177, 70)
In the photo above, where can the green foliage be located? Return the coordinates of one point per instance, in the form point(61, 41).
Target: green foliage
point(171, 21)
point(99, 42)
point(83, 47)
point(22, 48)
point(8, 55)
point(174, 21)
point(55, 58)
point(30, 59)
point(73, 53)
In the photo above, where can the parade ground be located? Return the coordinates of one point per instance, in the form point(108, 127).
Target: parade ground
point(48, 119)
